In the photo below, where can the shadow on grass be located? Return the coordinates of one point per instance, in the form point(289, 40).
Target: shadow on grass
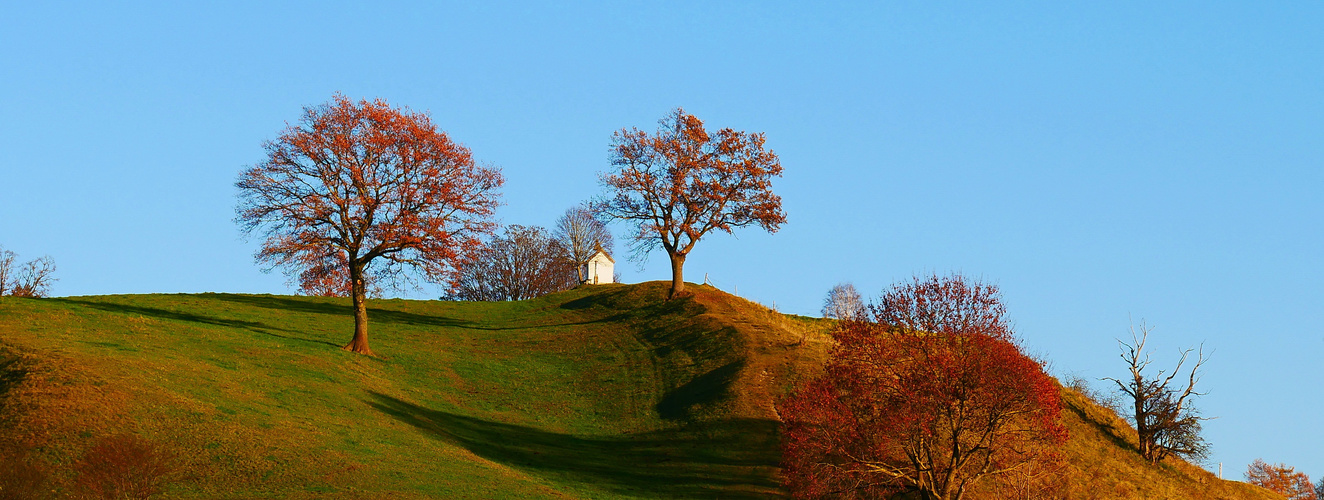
point(252, 326)
point(727, 459)
point(12, 373)
point(375, 315)
point(1107, 429)
point(707, 389)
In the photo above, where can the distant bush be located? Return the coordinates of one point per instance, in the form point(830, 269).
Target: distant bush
point(124, 466)
point(1106, 399)
point(22, 477)
point(844, 302)
point(523, 263)
point(1282, 479)
point(33, 279)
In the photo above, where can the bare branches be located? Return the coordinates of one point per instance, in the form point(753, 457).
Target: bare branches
point(580, 233)
point(523, 263)
point(844, 302)
point(6, 270)
point(33, 279)
point(1166, 422)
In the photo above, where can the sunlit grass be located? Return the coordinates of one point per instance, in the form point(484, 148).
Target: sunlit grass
point(601, 392)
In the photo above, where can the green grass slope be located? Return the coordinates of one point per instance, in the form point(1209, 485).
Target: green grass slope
point(600, 392)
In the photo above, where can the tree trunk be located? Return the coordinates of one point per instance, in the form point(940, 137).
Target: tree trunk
point(1143, 439)
point(358, 294)
point(677, 277)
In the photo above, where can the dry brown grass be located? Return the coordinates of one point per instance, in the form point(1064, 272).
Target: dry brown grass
point(1100, 460)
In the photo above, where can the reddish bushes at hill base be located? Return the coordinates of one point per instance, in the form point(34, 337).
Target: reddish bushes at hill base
point(930, 402)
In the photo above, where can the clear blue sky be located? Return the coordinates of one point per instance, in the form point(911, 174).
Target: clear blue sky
point(1099, 161)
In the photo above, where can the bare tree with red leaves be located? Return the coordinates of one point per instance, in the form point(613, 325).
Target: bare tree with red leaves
point(681, 183)
point(363, 192)
point(1281, 479)
point(929, 398)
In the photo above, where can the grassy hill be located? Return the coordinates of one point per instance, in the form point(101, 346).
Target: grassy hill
point(600, 392)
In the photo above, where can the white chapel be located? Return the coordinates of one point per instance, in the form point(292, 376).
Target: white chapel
point(600, 268)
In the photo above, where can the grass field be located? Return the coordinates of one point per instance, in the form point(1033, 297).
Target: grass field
point(600, 392)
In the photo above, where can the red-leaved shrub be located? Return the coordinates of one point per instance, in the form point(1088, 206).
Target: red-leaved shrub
point(123, 466)
point(930, 397)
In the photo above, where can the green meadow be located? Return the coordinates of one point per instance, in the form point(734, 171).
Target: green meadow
point(604, 391)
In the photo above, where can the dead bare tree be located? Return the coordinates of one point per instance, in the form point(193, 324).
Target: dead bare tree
point(581, 234)
point(1165, 420)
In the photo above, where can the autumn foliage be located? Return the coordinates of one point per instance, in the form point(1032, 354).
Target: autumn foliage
point(1282, 479)
point(682, 182)
point(124, 466)
point(930, 397)
point(358, 194)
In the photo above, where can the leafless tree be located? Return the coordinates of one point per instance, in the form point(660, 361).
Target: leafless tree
point(581, 233)
point(844, 302)
point(523, 263)
point(1166, 422)
point(6, 271)
point(35, 278)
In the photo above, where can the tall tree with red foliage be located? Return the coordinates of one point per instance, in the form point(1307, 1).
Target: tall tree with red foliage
point(361, 193)
point(1282, 479)
point(929, 398)
point(683, 182)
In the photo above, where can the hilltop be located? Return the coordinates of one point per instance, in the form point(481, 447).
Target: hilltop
point(599, 392)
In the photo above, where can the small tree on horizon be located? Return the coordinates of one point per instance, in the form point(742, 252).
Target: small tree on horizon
point(844, 302)
point(6, 270)
point(523, 262)
point(1281, 479)
point(33, 279)
point(683, 182)
point(363, 193)
point(581, 233)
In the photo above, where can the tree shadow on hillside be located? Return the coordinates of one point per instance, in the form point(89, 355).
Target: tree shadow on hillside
point(702, 391)
point(12, 373)
point(252, 326)
point(1107, 429)
point(728, 459)
point(375, 315)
